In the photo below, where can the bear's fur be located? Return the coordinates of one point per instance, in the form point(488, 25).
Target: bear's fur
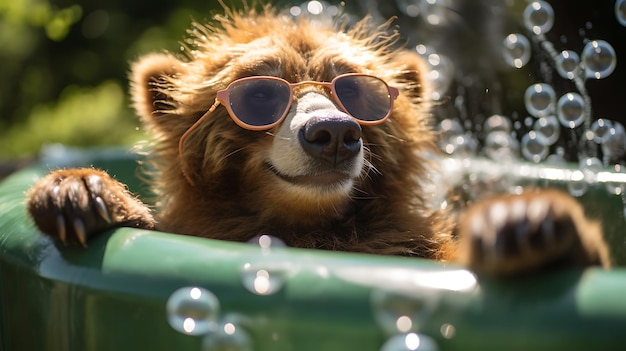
point(215, 179)
point(232, 194)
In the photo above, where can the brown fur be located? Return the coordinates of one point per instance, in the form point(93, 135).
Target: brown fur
point(218, 184)
point(233, 196)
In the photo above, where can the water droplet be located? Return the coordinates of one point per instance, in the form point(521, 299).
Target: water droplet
point(497, 123)
point(315, 7)
point(410, 342)
point(534, 146)
point(539, 99)
point(568, 64)
point(600, 129)
point(264, 279)
point(440, 75)
point(398, 313)
point(590, 166)
point(571, 110)
point(447, 129)
point(539, 17)
point(228, 337)
point(616, 188)
point(501, 146)
point(267, 243)
point(192, 310)
point(614, 146)
point(447, 330)
point(461, 145)
point(434, 11)
point(577, 188)
point(620, 12)
point(599, 59)
point(516, 50)
point(548, 127)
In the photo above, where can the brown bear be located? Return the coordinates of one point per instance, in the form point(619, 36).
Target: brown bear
point(311, 132)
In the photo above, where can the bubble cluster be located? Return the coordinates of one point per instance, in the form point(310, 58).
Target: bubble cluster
point(538, 17)
point(599, 59)
point(516, 50)
point(441, 71)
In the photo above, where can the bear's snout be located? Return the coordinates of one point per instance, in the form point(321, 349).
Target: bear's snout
point(333, 138)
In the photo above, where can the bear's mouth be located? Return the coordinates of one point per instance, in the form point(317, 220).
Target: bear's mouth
point(327, 178)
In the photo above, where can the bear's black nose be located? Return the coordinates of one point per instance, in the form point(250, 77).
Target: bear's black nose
point(333, 139)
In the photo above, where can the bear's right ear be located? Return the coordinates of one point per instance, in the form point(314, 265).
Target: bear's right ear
point(151, 85)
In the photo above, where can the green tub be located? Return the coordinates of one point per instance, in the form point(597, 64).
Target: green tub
point(141, 290)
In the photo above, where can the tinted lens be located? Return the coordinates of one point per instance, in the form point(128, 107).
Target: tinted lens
point(259, 102)
point(365, 98)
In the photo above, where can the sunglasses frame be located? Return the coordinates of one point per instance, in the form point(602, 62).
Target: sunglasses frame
point(223, 97)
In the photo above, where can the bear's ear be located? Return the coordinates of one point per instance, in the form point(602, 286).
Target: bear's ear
point(151, 85)
point(411, 73)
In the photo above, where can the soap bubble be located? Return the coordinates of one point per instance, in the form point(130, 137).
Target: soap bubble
point(497, 123)
point(228, 337)
point(501, 146)
point(534, 146)
point(410, 342)
point(516, 50)
point(264, 278)
point(620, 12)
point(192, 310)
point(568, 64)
point(440, 75)
point(434, 11)
point(461, 145)
point(571, 110)
point(600, 129)
point(577, 186)
point(409, 7)
point(447, 129)
point(548, 127)
point(441, 70)
point(616, 188)
point(398, 312)
point(539, 17)
point(599, 59)
point(614, 145)
point(539, 99)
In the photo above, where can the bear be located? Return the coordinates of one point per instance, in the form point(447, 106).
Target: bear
point(313, 132)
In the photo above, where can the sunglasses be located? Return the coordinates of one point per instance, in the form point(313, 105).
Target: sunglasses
point(262, 102)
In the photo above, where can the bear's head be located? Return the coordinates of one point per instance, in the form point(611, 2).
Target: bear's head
point(291, 150)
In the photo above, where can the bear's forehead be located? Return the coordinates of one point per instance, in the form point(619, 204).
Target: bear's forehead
point(320, 56)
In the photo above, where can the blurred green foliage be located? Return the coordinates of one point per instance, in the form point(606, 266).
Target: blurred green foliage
point(64, 65)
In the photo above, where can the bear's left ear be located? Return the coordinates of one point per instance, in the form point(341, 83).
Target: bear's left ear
point(151, 86)
point(411, 74)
